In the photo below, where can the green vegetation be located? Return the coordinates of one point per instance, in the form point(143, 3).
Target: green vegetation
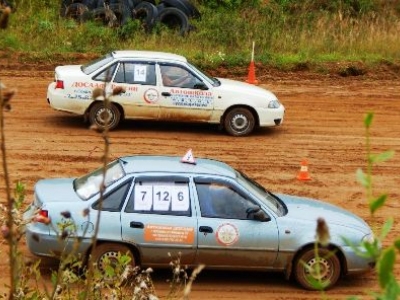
point(386, 258)
point(286, 33)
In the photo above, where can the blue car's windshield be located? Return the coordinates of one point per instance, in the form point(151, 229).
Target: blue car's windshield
point(89, 184)
point(96, 64)
point(269, 199)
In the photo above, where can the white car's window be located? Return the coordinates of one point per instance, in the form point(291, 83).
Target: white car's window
point(89, 184)
point(136, 73)
point(219, 200)
point(107, 74)
point(177, 76)
point(212, 80)
point(160, 197)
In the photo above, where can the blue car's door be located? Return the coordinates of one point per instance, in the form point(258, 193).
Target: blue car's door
point(158, 219)
point(110, 213)
point(227, 236)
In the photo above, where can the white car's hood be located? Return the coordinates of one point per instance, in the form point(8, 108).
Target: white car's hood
point(305, 209)
point(238, 87)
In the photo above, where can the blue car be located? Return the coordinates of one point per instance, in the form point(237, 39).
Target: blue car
point(207, 211)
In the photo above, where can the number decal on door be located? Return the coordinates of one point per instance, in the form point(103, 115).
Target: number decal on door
point(162, 197)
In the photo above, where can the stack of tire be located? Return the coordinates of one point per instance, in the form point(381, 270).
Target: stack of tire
point(175, 14)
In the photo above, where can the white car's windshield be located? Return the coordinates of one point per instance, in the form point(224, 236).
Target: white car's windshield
point(261, 193)
point(89, 184)
point(96, 64)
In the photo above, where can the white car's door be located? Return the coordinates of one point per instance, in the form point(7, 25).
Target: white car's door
point(183, 96)
point(159, 219)
point(141, 97)
point(227, 236)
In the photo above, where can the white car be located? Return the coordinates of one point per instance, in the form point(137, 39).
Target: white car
point(161, 86)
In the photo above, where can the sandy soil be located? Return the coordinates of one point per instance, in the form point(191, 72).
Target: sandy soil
point(323, 123)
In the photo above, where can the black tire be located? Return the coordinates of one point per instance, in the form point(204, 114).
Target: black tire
point(76, 11)
point(239, 121)
point(184, 5)
point(121, 13)
point(151, 1)
point(91, 4)
point(64, 6)
point(98, 114)
point(145, 12)
point(329, 268)
point(110, 252)
point(174, 19)
point(104, 16)
point(122, 10)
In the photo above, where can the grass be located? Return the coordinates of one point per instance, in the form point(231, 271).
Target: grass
point(223, 36)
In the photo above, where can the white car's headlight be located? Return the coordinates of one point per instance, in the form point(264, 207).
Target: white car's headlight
point(274, 104)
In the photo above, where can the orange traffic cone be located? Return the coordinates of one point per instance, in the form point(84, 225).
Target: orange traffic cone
point(251, 78)
point(303, 174)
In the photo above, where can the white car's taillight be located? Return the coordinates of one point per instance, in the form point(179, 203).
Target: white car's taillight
point(59, 84)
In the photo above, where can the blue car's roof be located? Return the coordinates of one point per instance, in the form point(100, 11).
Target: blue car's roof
point(150, 163)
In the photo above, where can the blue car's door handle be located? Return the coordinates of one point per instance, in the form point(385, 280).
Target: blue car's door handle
point(136, 224)
point(205, 229)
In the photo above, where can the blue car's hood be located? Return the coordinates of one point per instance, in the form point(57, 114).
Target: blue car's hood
point(56, 190)
point(306, 209)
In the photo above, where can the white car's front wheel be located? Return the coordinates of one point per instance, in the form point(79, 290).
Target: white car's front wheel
point(239, 121)
point(101, 116)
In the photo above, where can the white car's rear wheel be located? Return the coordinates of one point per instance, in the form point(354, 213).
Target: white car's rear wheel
point(239, 121)
point(322, 267)
point(100, 116)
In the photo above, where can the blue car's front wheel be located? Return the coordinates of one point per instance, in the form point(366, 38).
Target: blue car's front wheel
point(317, 269)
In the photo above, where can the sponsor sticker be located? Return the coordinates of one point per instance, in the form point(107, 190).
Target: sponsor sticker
point(227, 234)
point(169, 234)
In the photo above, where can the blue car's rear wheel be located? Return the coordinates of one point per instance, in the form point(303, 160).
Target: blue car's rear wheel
point(316, 270)
point(113, 256)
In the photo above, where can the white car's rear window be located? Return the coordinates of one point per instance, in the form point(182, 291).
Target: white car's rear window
point(94, 65)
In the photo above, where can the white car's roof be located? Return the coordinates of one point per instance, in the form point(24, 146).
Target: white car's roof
point(148, 54)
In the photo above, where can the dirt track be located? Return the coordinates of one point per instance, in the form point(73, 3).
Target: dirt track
point(323, 123)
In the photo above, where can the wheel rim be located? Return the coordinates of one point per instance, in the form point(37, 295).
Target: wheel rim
point(319, 269)
point(240, 123)
point(104, 116)
point(107, 259)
